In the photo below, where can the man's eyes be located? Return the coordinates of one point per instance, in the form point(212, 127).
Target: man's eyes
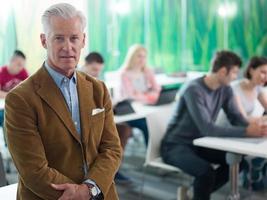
point(62, 38)
point(75, 38)
point(59, 38)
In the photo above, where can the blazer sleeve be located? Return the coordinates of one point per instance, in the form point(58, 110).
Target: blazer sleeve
point(103, 170)
point(27, 150)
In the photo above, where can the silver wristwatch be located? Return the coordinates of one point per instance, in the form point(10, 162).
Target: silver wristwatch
point(93, 192)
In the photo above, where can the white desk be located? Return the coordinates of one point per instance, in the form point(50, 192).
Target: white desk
point(9, 192)
point(141, 111)
point(246, 146)
point(235, 148)
point(2, 104)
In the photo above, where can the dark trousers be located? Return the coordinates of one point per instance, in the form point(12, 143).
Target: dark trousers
point(140, 124)
point(196, 162)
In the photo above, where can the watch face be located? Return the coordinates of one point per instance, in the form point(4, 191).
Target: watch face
point(94, 191)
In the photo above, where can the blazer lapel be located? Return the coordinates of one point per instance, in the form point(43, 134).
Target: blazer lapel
point(52, 95)
point(86, 105)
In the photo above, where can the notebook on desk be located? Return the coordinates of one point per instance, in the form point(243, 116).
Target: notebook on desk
point(167, 95)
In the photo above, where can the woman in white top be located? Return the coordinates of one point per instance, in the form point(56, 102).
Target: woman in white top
point(249, 91)
point(249, 94)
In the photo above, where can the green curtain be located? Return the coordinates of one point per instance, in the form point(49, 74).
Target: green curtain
point(180, 35)
point(111, 33)
point(8, 37)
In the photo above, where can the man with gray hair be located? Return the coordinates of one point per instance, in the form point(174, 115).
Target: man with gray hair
point(59, 122)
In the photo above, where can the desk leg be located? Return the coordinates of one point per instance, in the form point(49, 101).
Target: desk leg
point(233, 161)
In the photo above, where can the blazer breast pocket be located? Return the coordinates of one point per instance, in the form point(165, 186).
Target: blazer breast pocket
point(98, 116)
point(97, 126)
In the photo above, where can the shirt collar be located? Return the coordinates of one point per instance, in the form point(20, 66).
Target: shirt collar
point(58, 77)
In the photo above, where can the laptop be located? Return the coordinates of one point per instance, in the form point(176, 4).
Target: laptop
point(167, 95)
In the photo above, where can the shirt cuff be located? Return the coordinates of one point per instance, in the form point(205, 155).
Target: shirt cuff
point(89, 181)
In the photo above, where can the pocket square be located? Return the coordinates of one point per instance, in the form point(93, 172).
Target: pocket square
point(97, 110)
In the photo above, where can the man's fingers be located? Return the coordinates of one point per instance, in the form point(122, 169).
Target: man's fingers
point(59, 186)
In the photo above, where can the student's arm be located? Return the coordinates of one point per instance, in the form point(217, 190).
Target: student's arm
point(263, 99)
point(155, 87)
point(231, 109)
point(195, 102)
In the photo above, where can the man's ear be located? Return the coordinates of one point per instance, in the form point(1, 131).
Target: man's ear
point(84, 36)
point(43, 40)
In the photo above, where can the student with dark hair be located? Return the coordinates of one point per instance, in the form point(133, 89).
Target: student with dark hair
point(249, 90)
point(195, 115)
point(94, 64)
point(250, 97)
point(12, 74)
point(19, 54)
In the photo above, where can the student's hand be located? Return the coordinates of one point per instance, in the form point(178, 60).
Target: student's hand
point(151, 97)
point(264, 127)
point(72, 191)
point(256, 129)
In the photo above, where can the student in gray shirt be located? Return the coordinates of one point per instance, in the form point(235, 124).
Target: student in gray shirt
point(195, 115)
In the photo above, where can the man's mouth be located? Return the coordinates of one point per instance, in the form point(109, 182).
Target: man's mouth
point(67, 57)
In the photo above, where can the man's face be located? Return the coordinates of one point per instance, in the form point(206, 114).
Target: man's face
point(227, 77)
point(17, 63)
point(94, 69)
point(64, 42)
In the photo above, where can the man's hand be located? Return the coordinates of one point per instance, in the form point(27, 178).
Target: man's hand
point(72, 191)
point(256, 129)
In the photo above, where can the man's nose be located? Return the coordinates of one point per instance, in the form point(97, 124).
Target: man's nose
point(67, 45)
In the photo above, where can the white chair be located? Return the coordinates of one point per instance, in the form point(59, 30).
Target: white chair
point(3, 180)
point(157, 125)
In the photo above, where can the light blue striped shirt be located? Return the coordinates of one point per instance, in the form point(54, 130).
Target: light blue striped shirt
point(68, 87)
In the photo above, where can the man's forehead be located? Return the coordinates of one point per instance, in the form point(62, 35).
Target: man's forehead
point(60, 23)
point(235, 68)
point(66, 34)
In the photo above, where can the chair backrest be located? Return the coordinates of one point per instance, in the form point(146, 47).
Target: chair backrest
point(3, 180)
point(157, 124)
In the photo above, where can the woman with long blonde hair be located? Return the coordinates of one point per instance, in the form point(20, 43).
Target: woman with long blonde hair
point(137, 79)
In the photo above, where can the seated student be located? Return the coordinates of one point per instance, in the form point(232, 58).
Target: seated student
point(137, 79)
point(249, 90)
point(138, 83)
point(93, 66)
point(195, 115)
point(248, 93)
point(11, 75)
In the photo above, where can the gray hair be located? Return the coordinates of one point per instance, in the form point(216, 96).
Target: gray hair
point(63, 10)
